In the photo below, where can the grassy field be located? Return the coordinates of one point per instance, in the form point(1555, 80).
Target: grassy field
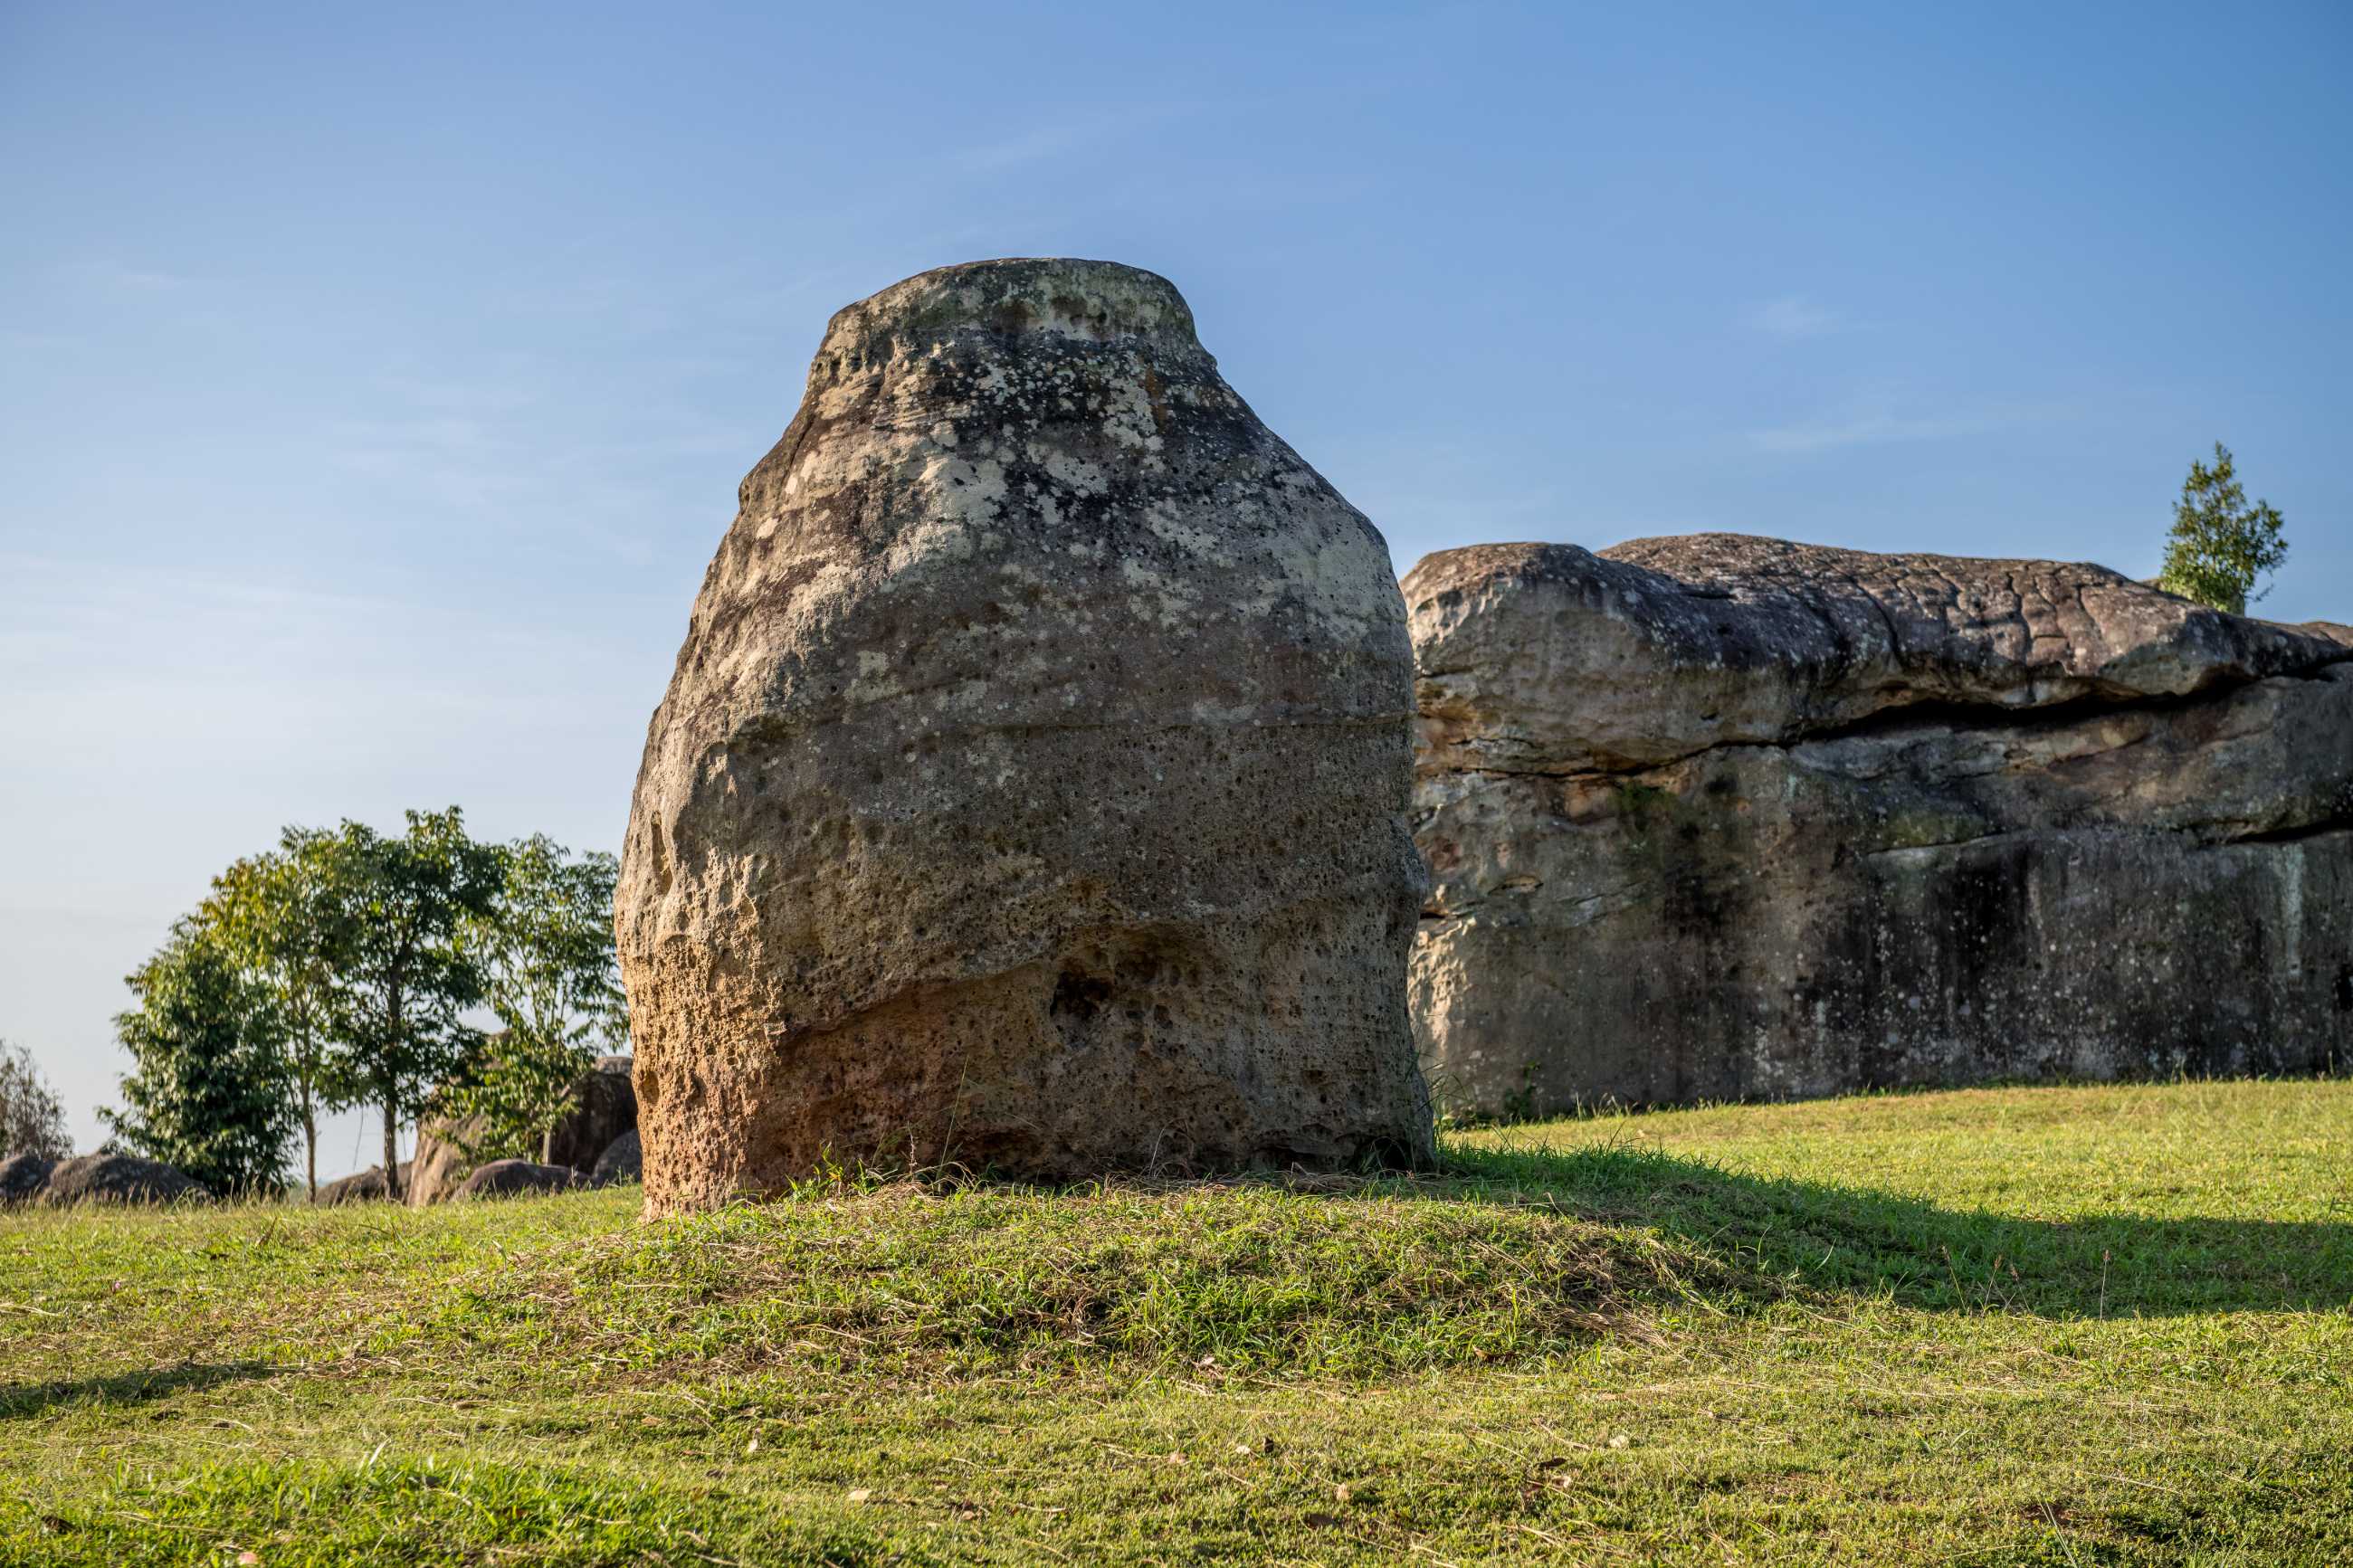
point(2066, 1326)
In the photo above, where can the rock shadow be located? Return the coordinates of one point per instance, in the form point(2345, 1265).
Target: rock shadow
point(1863, 1241)
point(19, 1401)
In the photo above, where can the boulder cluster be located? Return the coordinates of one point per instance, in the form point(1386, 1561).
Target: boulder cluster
point(1045, 782)
point(1055, 783)
point(593, 1144)
point(102, 1178)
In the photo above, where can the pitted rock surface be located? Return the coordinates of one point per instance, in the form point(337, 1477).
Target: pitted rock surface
point(1031, 791)
point(1721, 818)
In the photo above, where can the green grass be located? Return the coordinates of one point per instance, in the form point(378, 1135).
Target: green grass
point(2069, 1326)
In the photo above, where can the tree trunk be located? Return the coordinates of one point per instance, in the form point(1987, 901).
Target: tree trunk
point(310, 1143)
point(394, 1034)
point(392, 1149)
point(547, 1144)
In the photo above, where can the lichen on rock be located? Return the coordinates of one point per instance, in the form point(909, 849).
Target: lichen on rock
point(1031, 791)
point(1721, 816)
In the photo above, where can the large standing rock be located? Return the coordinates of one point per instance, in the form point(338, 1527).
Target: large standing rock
point(117, 1179)
point(604, 1106)
point(1720, 816)
point(1031, 791)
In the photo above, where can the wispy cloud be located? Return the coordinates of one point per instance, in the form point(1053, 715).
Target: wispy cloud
point(1795, 316)
point(1877, 424)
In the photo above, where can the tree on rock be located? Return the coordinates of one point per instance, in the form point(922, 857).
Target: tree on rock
point(550, 975)
point(406, 974)
point(32, 1117)
point(2220, 546)
point(208, 1095)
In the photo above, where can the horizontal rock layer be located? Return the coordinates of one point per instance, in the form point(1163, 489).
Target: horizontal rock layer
point(1719, 817)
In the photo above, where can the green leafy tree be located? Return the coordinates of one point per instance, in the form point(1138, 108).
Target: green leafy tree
point(209, 1091)
point(283, 916)
point(2220, 546)
point(32, 1117)
point(550, 975)
point(404, 973)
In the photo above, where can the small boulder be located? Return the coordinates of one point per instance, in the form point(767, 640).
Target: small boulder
point(604, 1106)
point(117, 1179)
point(360, 1187)
point(622, 1160)
point(512, 1178)
point(21, 1176)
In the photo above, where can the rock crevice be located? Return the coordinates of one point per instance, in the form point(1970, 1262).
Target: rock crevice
point(1718, 818)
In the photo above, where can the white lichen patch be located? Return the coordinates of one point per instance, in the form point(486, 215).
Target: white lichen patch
point(1182, 529)
point(1074, 474)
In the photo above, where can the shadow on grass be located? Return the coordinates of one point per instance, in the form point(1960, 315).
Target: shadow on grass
point(20, 1400)
point(1862, 1241)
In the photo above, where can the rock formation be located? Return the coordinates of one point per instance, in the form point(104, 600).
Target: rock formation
point(1720, 816)
point(513, 1178)
point(361, 1187)
point(622, 1160)
point(1031, 791)
point(117, 1179)
point(22, 1177)
point(604, 1106)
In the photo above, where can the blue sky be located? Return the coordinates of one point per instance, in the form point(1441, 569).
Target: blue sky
point(374, 382)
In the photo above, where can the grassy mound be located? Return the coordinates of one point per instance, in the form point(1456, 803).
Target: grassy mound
point(2062, 1325)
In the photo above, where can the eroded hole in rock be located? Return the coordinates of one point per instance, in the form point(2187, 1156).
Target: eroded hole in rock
point(1124, 989)
point(1078, 997)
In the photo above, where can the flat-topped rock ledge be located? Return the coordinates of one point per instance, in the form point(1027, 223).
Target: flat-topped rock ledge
point(1720, 816)
point(1031, 794)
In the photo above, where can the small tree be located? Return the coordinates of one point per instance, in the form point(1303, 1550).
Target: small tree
point(550, 975)
point(32, 1117)
point(280, 913)
point(208, 1095)
point(405, 976)
point(2220, 546)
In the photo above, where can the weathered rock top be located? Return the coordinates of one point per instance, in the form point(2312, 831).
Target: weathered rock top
point(1657, 649)
point(1095, 301)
